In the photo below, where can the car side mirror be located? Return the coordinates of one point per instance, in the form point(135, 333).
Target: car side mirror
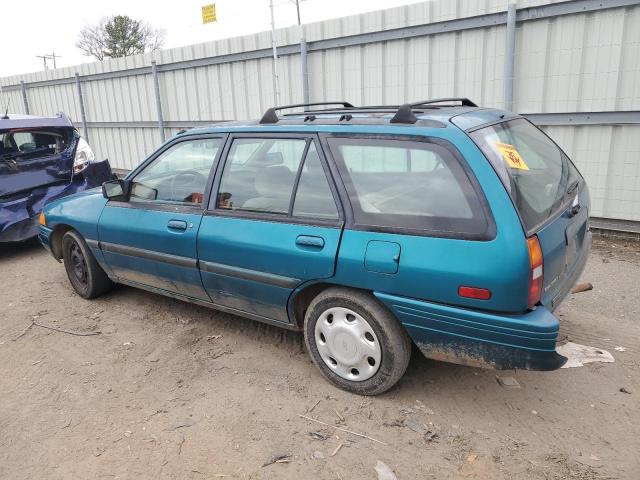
point(116, 190)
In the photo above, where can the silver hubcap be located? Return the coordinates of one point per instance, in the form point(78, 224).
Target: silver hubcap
point(347, 344)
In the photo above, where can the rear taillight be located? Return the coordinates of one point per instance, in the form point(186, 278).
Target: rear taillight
point(84, 156)
point(536, 274)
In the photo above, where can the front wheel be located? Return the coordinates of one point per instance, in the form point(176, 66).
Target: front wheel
point(357, 344)
point(87, 277)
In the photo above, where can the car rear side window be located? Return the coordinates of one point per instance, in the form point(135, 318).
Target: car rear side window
point(281, 176)
point(313, 197)
point(259, 174)
point(406, 184)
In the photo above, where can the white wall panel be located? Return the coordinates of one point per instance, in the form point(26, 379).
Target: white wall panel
point(581, 62)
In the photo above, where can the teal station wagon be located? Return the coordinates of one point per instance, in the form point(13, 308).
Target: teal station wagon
point(456, 228)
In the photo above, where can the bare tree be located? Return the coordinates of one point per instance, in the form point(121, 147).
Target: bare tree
point(119, 36)
point(93, 40)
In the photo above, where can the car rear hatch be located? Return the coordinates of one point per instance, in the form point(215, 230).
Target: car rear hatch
point(550, 196)
point(565, 244)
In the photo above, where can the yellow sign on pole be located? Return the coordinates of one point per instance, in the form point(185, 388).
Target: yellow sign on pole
point(209, 13)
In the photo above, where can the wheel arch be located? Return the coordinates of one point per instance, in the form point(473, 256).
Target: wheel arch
point(302, 297)
point(56, 239)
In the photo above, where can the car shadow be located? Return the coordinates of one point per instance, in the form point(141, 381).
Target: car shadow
point(422, 375)
point(10, 251)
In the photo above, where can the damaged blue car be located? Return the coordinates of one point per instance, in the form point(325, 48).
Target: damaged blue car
point(41, 159)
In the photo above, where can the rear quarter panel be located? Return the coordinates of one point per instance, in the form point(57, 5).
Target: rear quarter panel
point(432, 268)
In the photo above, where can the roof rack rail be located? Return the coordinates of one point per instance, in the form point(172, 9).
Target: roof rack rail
point(270, 116)
point(402, 113)
point(465, 102)
point(405, 112)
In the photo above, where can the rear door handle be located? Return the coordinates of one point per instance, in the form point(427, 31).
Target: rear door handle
point(310, 241)
point(180, 225)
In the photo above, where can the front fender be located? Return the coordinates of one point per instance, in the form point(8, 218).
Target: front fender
point(80, 211)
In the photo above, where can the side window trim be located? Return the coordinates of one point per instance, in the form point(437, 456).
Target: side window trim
point(296, 182)
point(163, 205)
point(213, 210)
point(345, 198)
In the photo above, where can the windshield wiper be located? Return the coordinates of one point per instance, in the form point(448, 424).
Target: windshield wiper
point(8, 155)
point(28, 153)
point(6, 158)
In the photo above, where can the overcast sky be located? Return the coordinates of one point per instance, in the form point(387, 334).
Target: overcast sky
point(35, 27)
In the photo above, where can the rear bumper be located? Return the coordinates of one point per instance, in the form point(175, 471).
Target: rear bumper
point(22, 229)
point(19, 217)
point(481, 339)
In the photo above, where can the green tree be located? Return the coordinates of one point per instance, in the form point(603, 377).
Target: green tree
point(119, 36)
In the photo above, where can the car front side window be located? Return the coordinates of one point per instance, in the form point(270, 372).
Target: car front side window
point(179, 174)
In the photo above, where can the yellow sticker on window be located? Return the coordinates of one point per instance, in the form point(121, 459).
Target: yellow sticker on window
point(511, 156)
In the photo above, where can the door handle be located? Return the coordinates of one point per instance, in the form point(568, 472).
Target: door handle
point(310, 241)
point(180, 225)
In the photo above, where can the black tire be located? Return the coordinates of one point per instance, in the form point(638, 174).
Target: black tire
point(394, 341)
point(87, 277)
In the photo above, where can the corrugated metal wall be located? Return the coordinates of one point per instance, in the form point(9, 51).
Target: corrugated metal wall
point(577, 62)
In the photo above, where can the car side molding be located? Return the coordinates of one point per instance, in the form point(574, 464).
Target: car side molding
point(246, 274)
point(149, 255)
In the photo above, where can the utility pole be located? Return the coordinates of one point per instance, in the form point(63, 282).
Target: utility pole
point(509, 57)
point(276, 87)
point(303, 56)
point(53, 56)
point(297, 2)
point(46, 57)
point(44, 60)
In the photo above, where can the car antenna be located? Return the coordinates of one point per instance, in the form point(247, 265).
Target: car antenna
point(6, 112)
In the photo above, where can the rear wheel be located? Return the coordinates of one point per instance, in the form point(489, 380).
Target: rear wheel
point(87, 277)
point(357, 344)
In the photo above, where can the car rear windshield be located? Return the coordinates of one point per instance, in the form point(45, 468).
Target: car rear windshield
point(407, 184)
point(26, 144)
point(539, 177)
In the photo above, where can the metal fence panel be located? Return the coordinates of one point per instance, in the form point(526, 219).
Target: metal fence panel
point(572, 61)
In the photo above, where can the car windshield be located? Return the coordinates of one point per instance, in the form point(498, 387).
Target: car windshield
point(538, 175)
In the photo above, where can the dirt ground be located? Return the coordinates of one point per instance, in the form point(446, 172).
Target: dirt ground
point(172, 390)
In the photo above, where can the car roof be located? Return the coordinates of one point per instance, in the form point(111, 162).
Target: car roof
point(374, 119)
point(13, 121)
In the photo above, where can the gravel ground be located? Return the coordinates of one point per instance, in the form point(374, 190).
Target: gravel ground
point(171, 390)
